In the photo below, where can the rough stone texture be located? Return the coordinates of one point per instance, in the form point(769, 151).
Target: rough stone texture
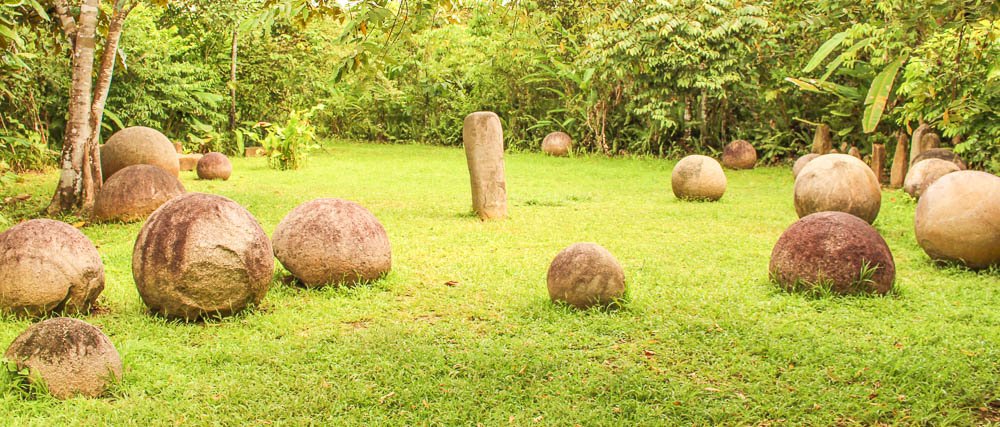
point(822, 140)
point(48, 267)
point(802, 162)
point(557, 144)
point(917, 141)
point(332, 241)
point(188, 162)
point(958, 219)
point(70, 356)
point(482, 135)
point(135, 192)
point(854, 152)
point(924, 173)
point(878, 162)
point(214, 166)
point(138, 145)
point(201, 255)
point(698, 177)
point(838, 182)
point(832, 247)
point(943, 154)
point(899, 163)
point(255, 152)
point(929, 141)
point(585, 275)
point(739, 154)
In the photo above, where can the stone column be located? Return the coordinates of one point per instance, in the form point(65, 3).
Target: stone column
point(822, 140)
point(854, 152)
point(917, 141)
point(878, 162)
point(483, 139)
point(900, 164)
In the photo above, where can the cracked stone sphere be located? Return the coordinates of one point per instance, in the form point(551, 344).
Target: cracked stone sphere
point(958, 219)
point(585, 275)
point(135, 192)
point(838, 182)
point(138, 145)
point(698, 177)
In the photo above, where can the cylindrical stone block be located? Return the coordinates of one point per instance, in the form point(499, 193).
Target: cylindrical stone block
point(483, 139)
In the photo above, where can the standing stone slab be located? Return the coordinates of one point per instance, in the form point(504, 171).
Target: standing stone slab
point(878, 162)
point(483, 139)
point(854, 152)
point(899, 163)
point(917, 141)
point(822, 140)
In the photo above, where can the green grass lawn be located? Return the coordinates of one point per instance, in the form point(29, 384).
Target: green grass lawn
point(703, 338)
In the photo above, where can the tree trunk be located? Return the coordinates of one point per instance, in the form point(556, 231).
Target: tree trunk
point(232, 83)
point(703, 112)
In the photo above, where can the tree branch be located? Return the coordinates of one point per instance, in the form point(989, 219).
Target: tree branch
point(66, 20)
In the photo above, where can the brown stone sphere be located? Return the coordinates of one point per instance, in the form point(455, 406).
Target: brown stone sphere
point(698, 177)
point(958, 219)
point(557, 144)
point(838, 182)
point(585, 275)
point(332, 241)
point(832, 248)
point(70, 356)
point(201, 255)
point(801, 163)
point(924, 173)
point(48, 267)
point(135, 192)
point(138, 145)
point(214, 166)
point(188, 162)
point(739, 154)
point(940, 153)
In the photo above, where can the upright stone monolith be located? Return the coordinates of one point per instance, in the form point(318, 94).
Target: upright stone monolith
point(917, 141)
point(822, 140)
point(878, 162)
point(854, 152)
point(899, 163)
point(483, 139)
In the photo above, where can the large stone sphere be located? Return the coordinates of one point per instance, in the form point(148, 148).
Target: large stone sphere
point(332, 241)
point(557, 144)
point(214, 166)
point(188, 162)
point(833, 248)
point(48, 267)
point(940, 153)
point(135, 192)
point(138, 145)
point(70, 356)
point(801, 163)
point(585, 275)
point(201, 255)
point(739, 154)
point(838, 182)
point(924, 173)
point(958, 219)
point(698, 177)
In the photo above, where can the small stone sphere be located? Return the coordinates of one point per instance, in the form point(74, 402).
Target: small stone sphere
point(557, 144)
point(201, 255)
point(585, 275)
point(135, 146)
point(801, 163)
point(739, 154)
point(332, 241)
point(135, 192)
point(924, 173)
point(838, 182)
point(940, 153)
point(70, 356)
point(958, 219)
point(48, 267)
point(214, 166)
point(698, 177)
point(832, 248)
point(188, 162)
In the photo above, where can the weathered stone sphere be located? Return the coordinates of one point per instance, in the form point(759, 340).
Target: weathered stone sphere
point(332, 241)
point(801, 163)
point(48, 267)
point(585, 275)
point(138, 145)
point(201, 255)
point(958, 219)
point(838, 182)
point(135, 192)
point(557, 144)
point(188, 162)
point(940, 153)
point(214, 166)
point(739, 154)
point(832, 248)
point(698, 177)
point(924, 173)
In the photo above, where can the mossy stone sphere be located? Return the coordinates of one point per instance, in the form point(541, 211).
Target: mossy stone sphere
point(332, 241)
point(739, 154)
point(698, 177)
point(801, 162)
point(924, 173)
point(958, 219)
point(138, 145)
point(214, 166)
point(135, 192)
point(833, 248)
point(557, 144)
point(838, 182)
point(585, 275)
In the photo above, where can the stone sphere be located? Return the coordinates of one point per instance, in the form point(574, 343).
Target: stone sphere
point(557, 144)
point(924, 173)
point(188, 162)
point(739, 154)
point(698, 177)
point(214, 166)
point(940, 153)
point(201, 255)
point(958, 219)
point(138, 145)
point(332, 241)
point(838, 182)
point(832, 248)
point(48, 267)
point(135, 192)
point(70, 356)
point(801, 163)
point(585, 275)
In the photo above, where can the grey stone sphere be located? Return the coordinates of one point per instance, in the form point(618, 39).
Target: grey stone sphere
point(135, 192)
point(958, 219)
point(585, 275)
point(838, 182)
point(214, 166)
point(557, 144)
point(698, 177)
point(138, 145)
point(924, 173)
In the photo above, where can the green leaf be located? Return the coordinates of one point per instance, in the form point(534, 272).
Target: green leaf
point(832, 66)
point(825, 51)
point(878, 96)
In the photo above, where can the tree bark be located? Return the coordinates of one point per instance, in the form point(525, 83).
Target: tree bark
point(232, 82)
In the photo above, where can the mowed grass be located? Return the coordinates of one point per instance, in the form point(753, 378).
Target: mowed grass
point(703, 339)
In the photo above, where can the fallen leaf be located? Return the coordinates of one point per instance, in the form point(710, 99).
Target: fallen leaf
point(648, 353)
point(79, 224)
point(451, 283)
point(384, 398)
point(712, 389)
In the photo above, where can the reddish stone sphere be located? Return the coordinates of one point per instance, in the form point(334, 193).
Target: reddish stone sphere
point(557, 144)
point(135, 192)
point(214, 166)
point(138, 145)
point(585, 275)
point(958, 219)
point(739, 154)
